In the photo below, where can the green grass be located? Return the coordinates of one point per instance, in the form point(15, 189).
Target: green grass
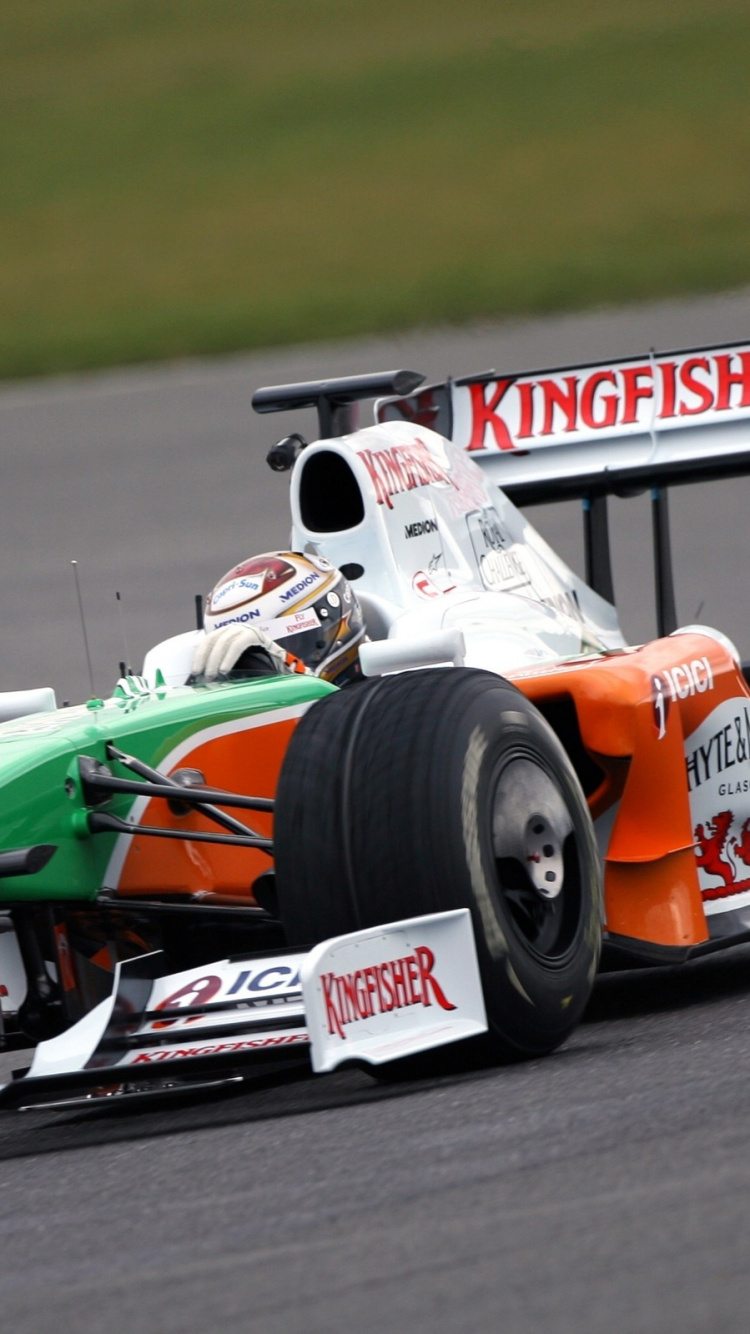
point(191, 176)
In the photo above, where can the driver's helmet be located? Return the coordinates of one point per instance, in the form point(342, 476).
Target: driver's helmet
point(301, 601)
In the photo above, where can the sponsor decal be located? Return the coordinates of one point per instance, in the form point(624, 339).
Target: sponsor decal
point(292, 624)
point(379, 993)
point(435, 583)
point(726, 747)
point(469, 489)
point(564, 602)
point(717, 854)
point(520, 412)
point(503, 570)
point(673, 683)
point(235, 592)
point(690, 678)
point(380, 989)
point(311, 578)
point(277, 977)
point(420, 528)
point(422, 584)
point(504, 565)
point(260, 574)
point(200, 991)
point(218, 1048)
point(660, 700)
point(717, 757)
point(486, 531)
point(261, 983)
point(403, 468)
point(240, 619)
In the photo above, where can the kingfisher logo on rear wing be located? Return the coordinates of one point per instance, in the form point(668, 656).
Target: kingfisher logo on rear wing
point(577, 421)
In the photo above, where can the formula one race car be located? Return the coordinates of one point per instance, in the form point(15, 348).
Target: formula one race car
point(437, 851)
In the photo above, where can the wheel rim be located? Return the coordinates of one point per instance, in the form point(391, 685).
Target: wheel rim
point(536, 857)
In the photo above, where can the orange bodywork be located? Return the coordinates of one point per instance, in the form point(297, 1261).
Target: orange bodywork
point(242, 761)
point(651, 884)
point(638, 790)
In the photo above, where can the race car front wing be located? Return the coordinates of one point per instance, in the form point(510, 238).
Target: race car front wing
point(370, 997)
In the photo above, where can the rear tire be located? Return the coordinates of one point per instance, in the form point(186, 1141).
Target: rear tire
point(444, 789)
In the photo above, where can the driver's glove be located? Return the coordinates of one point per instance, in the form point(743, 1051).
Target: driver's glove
point(238, 650)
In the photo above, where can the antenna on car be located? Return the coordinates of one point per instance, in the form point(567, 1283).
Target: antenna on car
point(74, 563)
point(124, 668)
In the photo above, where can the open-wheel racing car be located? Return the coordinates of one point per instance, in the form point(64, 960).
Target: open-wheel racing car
point(199, 874)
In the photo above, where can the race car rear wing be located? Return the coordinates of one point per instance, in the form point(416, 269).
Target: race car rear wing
point(610, 428)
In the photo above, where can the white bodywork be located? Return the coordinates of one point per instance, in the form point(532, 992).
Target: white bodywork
point(441, 548)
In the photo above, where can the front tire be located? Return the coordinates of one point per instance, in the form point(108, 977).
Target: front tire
point(444, 789)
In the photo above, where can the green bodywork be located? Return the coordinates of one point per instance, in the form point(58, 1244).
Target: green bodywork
point(41, 797)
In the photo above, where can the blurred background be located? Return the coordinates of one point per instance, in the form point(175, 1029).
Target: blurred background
point(196, 176)
point(318, 187)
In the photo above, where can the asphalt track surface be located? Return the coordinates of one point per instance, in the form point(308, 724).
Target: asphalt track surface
point(602, 1188)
